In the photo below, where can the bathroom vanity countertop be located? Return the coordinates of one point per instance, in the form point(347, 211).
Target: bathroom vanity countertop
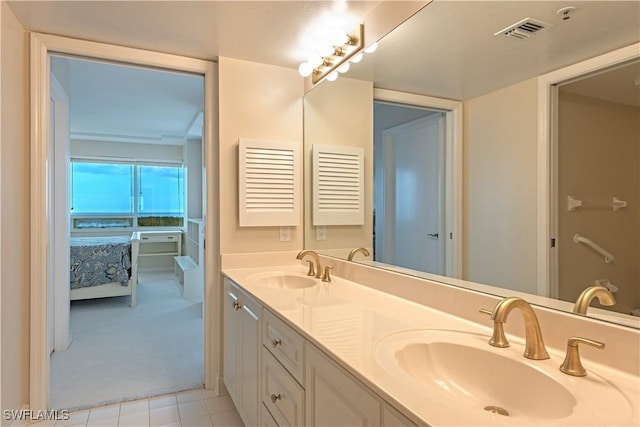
point(347, 321)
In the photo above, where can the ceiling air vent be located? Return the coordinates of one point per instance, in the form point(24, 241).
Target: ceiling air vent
point(524, 29)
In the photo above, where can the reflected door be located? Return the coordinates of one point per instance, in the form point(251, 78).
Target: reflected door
point(413, 221)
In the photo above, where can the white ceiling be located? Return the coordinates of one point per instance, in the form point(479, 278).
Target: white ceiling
point(115, 103)
point(448, 49)
point(269, 32)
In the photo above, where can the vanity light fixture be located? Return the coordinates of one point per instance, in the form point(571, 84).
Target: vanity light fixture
point(357, 58)
point(329, 59)
point(372, 48)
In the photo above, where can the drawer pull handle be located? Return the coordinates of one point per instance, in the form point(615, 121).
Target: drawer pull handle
point(236, 306)
point(275, 397)
point(169, 237)
point(275, 343)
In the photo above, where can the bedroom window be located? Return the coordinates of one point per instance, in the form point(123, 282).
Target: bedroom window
point(113, 195)
point(160, 196)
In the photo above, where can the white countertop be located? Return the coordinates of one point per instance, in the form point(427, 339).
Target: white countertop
point(347, 320)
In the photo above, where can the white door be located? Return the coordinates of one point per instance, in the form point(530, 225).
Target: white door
point(413, 176)
point(51, 286)
point(58, 287)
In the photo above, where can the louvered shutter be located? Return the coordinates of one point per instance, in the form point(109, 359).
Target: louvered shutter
point(269, 183)
point(338, 185)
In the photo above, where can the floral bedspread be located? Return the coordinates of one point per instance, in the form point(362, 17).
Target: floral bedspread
point(99, 260)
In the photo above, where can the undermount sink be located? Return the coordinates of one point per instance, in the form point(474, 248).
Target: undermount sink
point(283, 280)
point(462, 369)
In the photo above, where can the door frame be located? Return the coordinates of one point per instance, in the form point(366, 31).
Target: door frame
point(41, 46)
point(547, 216)
point(389, 193)
point(453, 145)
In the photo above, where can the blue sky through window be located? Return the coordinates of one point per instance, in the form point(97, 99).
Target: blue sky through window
point(161, 191)
point(101, 188)
point(109, 189)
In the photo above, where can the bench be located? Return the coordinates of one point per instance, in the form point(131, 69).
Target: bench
point(190, 280)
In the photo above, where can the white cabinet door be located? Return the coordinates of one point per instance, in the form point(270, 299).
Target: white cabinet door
point(392, 418)
point(249, 354)
point(230, 338)
point(334, 397)
point(242, 351)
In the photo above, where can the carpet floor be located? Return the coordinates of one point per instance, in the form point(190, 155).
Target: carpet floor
point(119, 353)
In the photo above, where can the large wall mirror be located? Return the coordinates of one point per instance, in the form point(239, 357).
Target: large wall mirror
point(447, 114)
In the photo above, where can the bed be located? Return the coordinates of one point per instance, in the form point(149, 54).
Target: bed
point(103, 267)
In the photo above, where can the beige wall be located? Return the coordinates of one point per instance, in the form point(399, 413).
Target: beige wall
point(598, 154)
point(500, 170)
point(14, 223)
point(339, 113)
point(256, 101)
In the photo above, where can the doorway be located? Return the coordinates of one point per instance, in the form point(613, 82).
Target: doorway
point(414, 118)
point(131, 165)
point(409, 179)
point(549, 201)
point(42, 47)
point(597, 184)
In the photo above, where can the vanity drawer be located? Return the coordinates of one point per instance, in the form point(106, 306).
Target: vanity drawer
point(392, 418)
point(267, 419)
point(285, 344)
point(281, 394)
point(159, 237)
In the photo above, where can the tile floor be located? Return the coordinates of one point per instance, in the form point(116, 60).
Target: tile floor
point(193, 408)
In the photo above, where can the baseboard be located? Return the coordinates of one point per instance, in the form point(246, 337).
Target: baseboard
point(132, 398)
point(222, 389)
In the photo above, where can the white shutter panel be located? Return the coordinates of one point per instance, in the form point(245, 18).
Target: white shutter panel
point(269, 183)
point(338, 185)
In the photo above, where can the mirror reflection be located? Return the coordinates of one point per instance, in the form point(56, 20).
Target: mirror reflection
point(477, 219)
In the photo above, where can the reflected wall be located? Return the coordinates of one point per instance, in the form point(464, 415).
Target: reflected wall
point(339, 113)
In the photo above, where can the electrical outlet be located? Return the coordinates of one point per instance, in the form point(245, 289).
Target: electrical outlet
point(285, 234)
point(321, 232)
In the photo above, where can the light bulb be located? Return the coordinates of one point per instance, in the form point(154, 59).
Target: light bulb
point(326, 49)
point(305, 69)
point(357, 58)
point(339, 37)
point(344, 68)
point(332, 76)
point(372, 48)
point(315, 60)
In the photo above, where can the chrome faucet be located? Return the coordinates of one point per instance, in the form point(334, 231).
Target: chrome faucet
point(316, 258)
point(604, 297)
point(534, 346)
point(363, 251)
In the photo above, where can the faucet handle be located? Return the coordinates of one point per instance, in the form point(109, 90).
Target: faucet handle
point(312, 271)
point(498, 338)
point(326, 277)
point(572, 364)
